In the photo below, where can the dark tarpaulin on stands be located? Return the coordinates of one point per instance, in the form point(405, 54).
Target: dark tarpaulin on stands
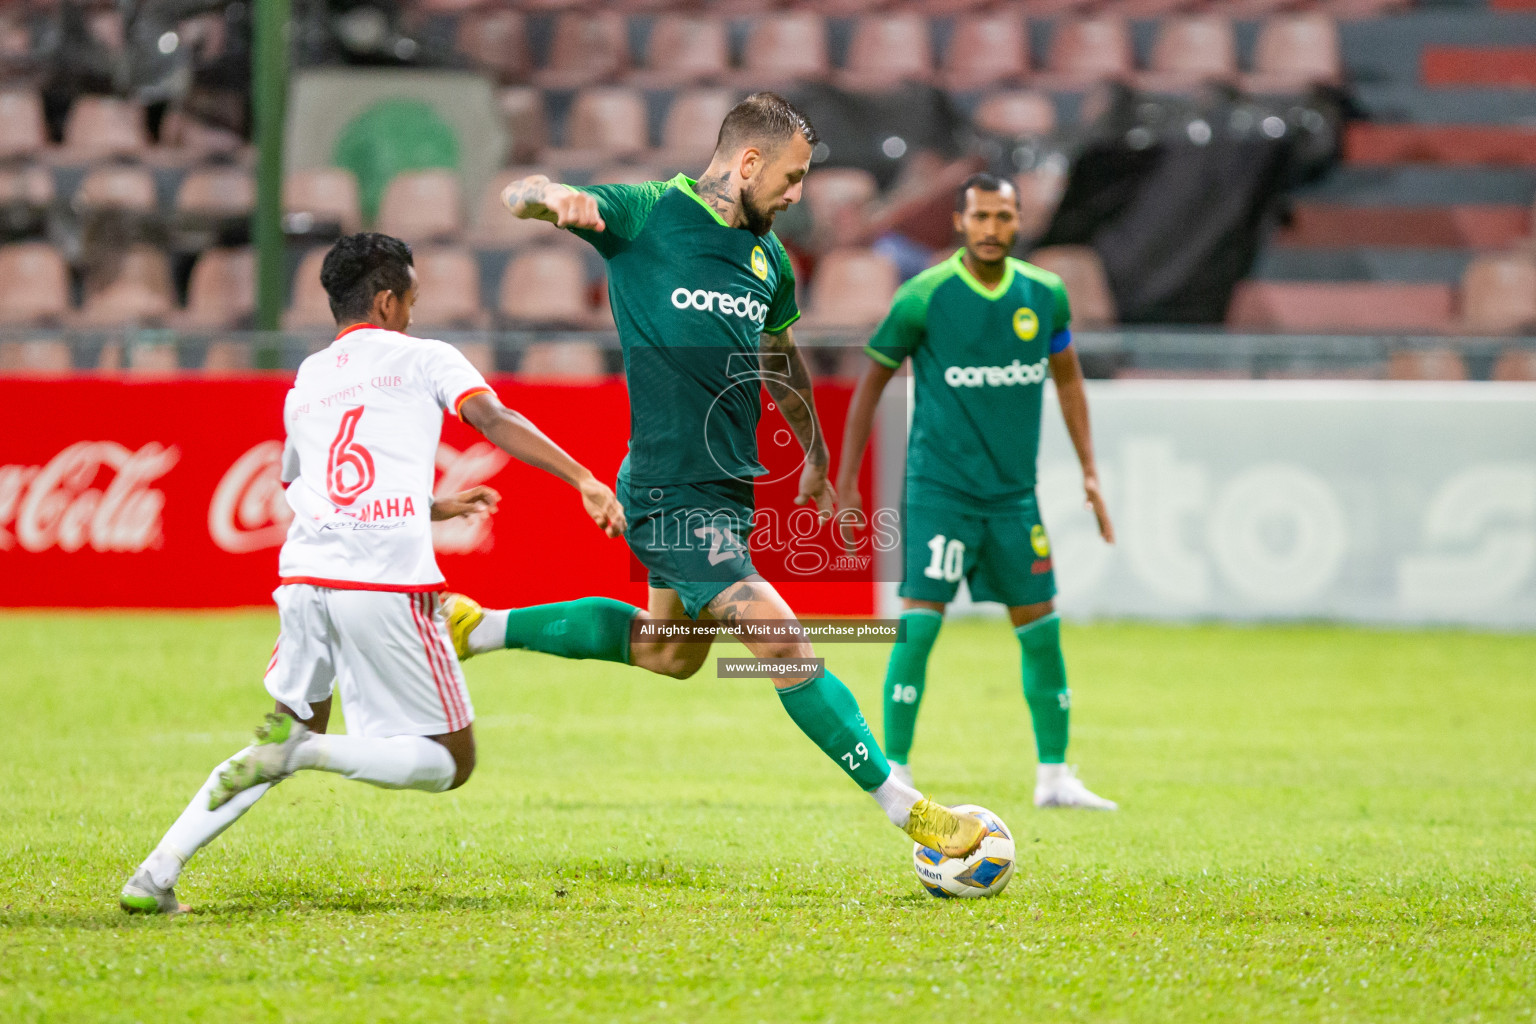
point(1175, 196)
point(876, 131)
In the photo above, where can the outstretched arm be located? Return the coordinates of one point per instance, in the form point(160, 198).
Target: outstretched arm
point(516, 435)
point(788, 380)
point(537, 198)
point(856, 431)
point(1068, 374)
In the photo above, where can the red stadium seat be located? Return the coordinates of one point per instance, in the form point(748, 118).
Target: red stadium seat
point(852, 288)
point(22, 131)
point(1340, 306)
point(422, 206)
point(117, 187)
point(29, 185)
point(139, 292)
point(99, 127)
point(494, 227)
point(323, 195)
point(1515, 364)
point(1016, 113)
point(562, 360)
point(607, 123)
point(887, 50)
point(693, 124)
point(1191, 50)
point(1498, 295)
point(448, 290)
point(1294, 52)
point(1426, 364)
point(310, 307)
point(1088, 50)
point(684, 50)
point(217, 192)
point(839, 199)
point(986, 50)
point(34, 284)
point(546, 286)
point(522, 112)
point(222, 291)
point(786, 48)
point(496, 42)
point(588, 47)
point(1093, 304)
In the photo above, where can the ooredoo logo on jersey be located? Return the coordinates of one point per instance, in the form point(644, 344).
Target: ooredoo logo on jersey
point(1012, 375)
point(747, 306)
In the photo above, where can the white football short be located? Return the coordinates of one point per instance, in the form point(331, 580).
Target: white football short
point(387, 653)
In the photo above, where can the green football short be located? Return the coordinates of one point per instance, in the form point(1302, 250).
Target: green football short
point(691, 538)
point(1002, 556)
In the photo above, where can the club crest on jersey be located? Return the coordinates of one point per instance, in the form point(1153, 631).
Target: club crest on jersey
point(1039, 541)
point(1025, 323)
point(759, 263)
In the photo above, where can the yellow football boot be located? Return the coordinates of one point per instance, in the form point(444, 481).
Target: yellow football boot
point(950, 832)
point(464, 614)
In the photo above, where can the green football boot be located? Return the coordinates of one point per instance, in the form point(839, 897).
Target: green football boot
point(142, 896)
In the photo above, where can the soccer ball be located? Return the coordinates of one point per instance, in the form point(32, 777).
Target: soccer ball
point(983, 873)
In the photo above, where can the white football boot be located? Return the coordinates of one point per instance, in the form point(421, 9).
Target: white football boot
point(1057, 785)
point(142, 896)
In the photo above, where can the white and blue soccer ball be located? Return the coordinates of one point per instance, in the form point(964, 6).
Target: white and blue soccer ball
point(984, 873)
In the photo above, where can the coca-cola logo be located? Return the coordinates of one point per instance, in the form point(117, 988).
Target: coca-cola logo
point(459, 471)
point(249, 510)
point(93, 494)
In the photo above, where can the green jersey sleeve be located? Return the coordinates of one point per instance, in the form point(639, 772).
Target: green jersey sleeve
point(624, 209)
point(1063, 311)
point(783, 310)
point(904, 327)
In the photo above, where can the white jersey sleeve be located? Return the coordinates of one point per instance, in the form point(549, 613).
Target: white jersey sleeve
point(449, 375)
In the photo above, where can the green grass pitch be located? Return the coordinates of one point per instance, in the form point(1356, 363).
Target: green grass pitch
point(1318, 824)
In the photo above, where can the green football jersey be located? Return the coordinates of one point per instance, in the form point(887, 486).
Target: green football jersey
point(691, 296)
point(979, 361)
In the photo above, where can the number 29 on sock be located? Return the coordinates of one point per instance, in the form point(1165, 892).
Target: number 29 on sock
point(854, 763)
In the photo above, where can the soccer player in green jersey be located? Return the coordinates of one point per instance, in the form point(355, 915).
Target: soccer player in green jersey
point(704, 299)
point(982, 330)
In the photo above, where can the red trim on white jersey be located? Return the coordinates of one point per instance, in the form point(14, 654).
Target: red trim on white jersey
point(458, 403)
point(442, 675)
point(357, 327)
point(394, 588)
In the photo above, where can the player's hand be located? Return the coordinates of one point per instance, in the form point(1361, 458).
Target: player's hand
point(603, 507)
point(1094, 495)
point(475, 501)
point(815, 487)
point(573, 209)
point(850, 517)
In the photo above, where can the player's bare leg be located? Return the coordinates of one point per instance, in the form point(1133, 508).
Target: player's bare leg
point(1050, 708)
point(676, 658)
point(827, 712)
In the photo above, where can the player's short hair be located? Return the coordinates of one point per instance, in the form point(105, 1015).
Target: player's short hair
point(360, 266)
point(766, 120)
point(984, 182)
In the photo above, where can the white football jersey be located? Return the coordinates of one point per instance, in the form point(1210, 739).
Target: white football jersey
point(363, 421)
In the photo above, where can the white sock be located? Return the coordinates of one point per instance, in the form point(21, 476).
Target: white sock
point(395, 762)
point(1049, 773)
point(896, 799)
point(491, 634)
point(197, 827)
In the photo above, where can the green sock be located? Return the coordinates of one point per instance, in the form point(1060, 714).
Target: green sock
point(905, 676)
point(827, 712)
point(593, 627)
point(1045, 686)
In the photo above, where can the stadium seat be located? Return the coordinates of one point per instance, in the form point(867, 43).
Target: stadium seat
point(217, 192)
point(546, 286)
point(1016, 113)
point(1294, 52)
point(522, 112)
point(986, 50)
point(785, 48)
point(1087, 50)
point(838, 199)
point(193, 139)
point(587, 48)
point(448, 290)
point(684, 50)
point(36, 355)
point(22, 131)
point(562, 361)
point(692, 125)
point(494, 227)
point(322, 195)
point(627, 174)
point(221, 293)
point(309, 306)
point(607, 123)
point(1515, 364)
point(496, 42)
point(1093, 304)
point(34, 284)
point(422, 206)
point(1498, 295)
point(28, 185)
point(139, 292)
point(1191, 50)
point(1426, 364)
point(887, 50)
point(1340, 306)
point(117, 187)
point(448, 6)
point(852, 288)
point(100, 127)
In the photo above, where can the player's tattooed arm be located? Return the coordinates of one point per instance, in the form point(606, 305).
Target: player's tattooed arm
point(788, 380)
point(537, 198)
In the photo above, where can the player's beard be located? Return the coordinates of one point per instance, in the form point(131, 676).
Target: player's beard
point(759, 220)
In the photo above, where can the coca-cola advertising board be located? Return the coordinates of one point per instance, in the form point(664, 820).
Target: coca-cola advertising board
point(117, 492)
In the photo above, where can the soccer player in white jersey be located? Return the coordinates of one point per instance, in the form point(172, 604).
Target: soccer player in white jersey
point(358, 589)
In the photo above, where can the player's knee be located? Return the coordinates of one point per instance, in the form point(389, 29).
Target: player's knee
point(785, 650)
point(463, 765)
point(678, 662)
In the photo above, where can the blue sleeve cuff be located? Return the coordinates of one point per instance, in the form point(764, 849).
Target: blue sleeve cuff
point(1061, 340)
